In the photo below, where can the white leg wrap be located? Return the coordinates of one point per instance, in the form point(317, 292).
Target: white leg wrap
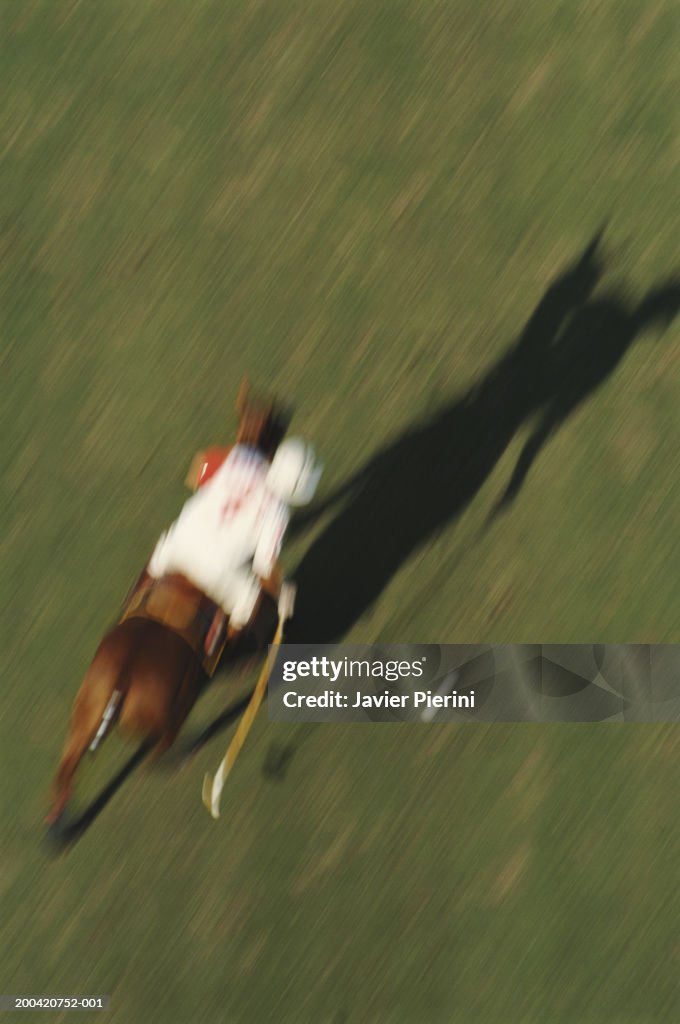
point(245, 591)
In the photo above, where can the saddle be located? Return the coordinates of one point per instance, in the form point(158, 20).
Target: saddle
point(175, 603)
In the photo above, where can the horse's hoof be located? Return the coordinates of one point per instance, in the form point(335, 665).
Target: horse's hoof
point(276, 762)
point(56, 835)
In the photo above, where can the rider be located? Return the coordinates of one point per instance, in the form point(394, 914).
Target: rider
point(227, 539)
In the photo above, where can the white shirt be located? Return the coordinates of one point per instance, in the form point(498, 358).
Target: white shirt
point(234, 517)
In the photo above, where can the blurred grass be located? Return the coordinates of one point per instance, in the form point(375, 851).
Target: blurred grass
point(360, 205)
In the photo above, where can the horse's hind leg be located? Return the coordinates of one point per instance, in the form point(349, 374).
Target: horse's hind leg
point(181, 706)
point(180, 714)
point(88, 711)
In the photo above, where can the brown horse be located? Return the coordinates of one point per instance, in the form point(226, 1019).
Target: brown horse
point(148, 670)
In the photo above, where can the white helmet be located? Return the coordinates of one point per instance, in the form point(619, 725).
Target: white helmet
point(294, 473)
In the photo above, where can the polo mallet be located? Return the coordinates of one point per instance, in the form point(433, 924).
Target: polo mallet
point(212, 787)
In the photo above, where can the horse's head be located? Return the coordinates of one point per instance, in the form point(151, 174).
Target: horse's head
point(262, 422)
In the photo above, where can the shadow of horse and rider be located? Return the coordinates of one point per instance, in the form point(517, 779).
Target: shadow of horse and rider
point(423, 481)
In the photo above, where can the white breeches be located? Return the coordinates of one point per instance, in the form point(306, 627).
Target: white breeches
point(232, 586)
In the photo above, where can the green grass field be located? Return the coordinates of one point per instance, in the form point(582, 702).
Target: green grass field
point(360, 204)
